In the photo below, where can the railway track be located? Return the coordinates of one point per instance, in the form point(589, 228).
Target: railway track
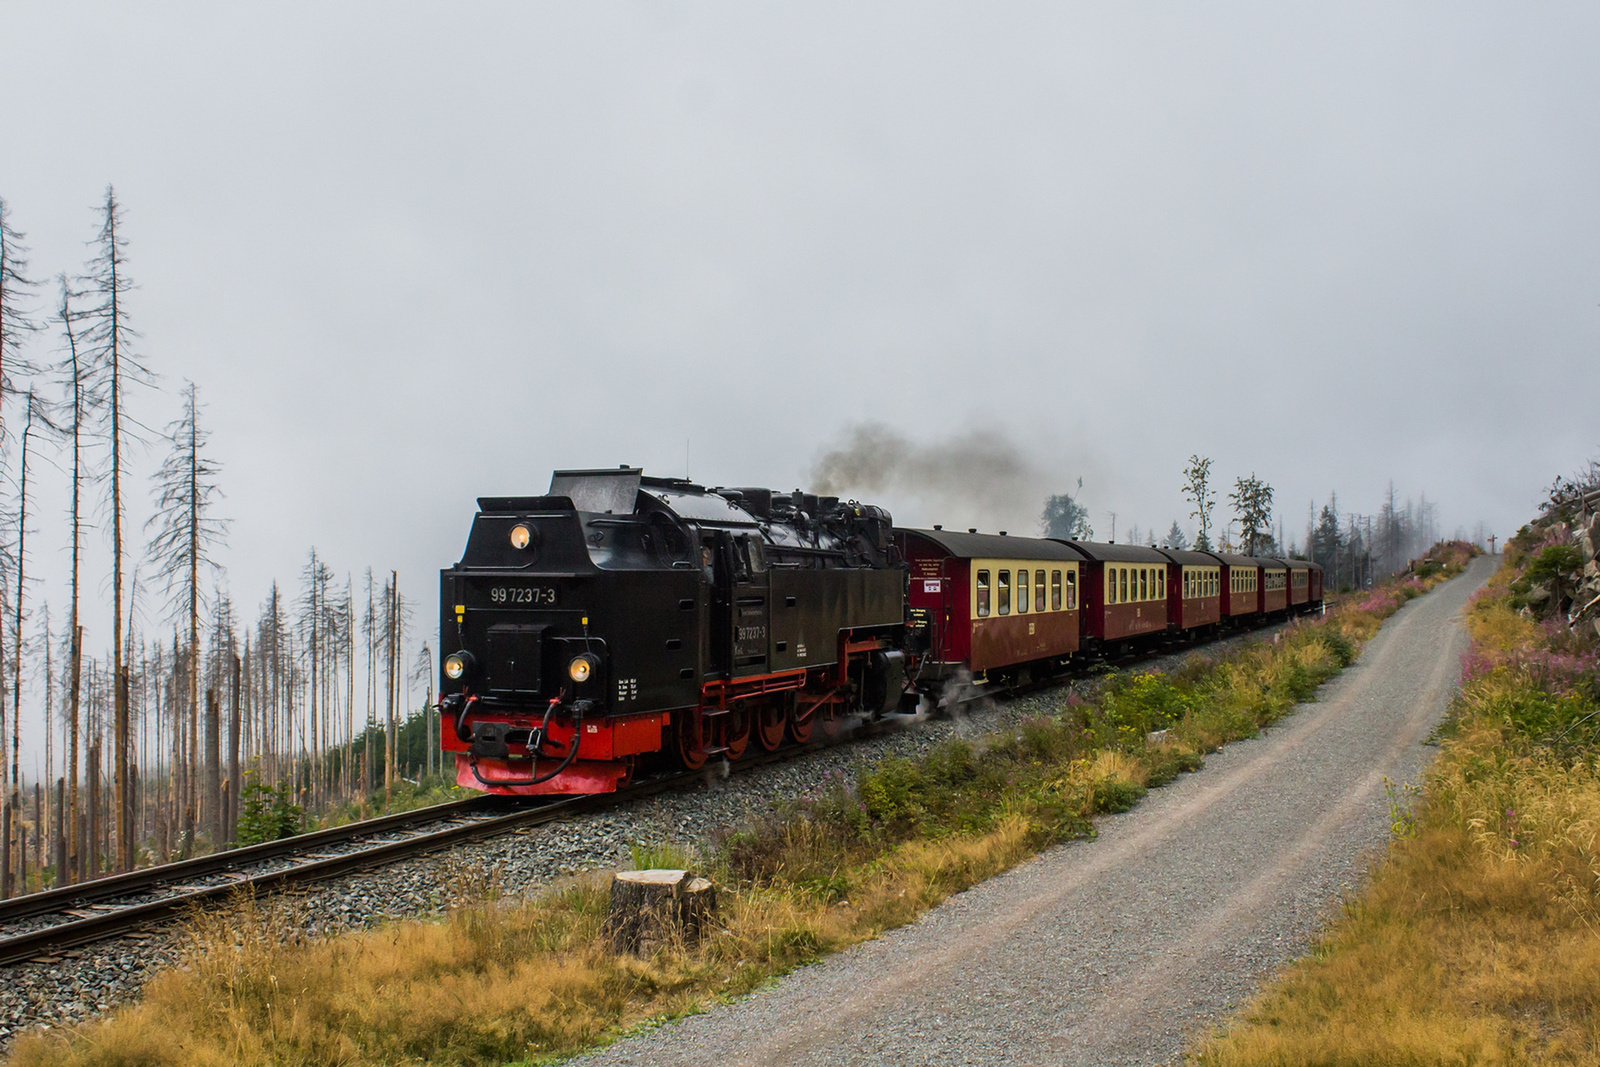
point(111, 907)
point(125, 903)
point(117, 905)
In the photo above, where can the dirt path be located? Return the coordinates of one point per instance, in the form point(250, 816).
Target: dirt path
point(1119, 950)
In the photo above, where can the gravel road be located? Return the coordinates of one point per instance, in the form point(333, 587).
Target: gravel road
point(1122, 949)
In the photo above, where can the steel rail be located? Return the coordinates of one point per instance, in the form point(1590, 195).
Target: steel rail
point(144, 879)
point(82, 931)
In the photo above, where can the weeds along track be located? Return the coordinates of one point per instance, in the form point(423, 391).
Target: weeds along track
point(42, 923)
point(37, 926)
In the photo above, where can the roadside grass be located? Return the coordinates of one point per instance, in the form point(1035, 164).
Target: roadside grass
point(1478, 939)
point(500, 980)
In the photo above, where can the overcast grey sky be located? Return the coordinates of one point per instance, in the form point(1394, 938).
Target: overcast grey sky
point(416, 253)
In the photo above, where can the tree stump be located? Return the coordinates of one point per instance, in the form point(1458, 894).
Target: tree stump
point(654, 908)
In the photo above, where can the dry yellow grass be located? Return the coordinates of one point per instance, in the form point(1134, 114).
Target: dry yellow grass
point(1452, 956)
point(494, 982)
point(1478, 940)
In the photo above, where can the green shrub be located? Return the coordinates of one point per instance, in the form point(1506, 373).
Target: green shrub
point(267, 813)
point(1114, 794)
point(1341, 647)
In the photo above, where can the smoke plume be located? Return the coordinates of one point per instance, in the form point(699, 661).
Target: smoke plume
point(975, 478)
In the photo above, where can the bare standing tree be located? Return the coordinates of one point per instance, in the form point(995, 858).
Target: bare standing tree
point(35, 414)
point(1197, 487)
point(315, 624)
point(186, 534)
point(11, 809)
point(79, 401)
point(16, 324)
point(114, 368)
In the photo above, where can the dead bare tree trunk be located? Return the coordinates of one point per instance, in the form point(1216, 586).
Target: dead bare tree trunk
point(92, 859)
point(110, 338)
point(235, 781)
point(13, 796)
point(213, 802)
point(74, 369)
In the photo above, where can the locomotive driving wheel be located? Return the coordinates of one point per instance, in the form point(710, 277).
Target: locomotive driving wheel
point(800, 727)
point(770, 719)
point(688, 738)
point(736, 731)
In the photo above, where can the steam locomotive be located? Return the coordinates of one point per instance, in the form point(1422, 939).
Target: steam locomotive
point(621, 619)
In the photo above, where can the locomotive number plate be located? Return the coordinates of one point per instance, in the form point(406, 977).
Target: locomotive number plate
point(527, 595)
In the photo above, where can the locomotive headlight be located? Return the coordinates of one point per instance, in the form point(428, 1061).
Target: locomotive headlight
point(581, 668)
point(521, 536)
point(456, 665)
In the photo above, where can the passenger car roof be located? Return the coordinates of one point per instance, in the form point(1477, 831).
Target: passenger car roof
point(995, 546)
point(1114, 553)
point(1193, 559)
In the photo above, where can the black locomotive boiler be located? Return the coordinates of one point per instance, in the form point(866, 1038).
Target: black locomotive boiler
point(620, 616)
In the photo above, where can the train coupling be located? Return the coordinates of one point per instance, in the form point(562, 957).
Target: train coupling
point(492, 740)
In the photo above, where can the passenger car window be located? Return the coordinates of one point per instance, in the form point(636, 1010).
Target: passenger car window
point(1038, 590)
point(1055, 590)
point(1003, 590)
point(1122, 584)
point(1022, 592)
point(983, 593)
point(1144, 583)
point(1111, 585)
point(1072, 590)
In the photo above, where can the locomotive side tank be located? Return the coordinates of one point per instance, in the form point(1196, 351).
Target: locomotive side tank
point(619, 616)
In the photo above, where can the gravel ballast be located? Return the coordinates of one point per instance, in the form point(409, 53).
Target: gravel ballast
point(1122, 949)
point(80, 984)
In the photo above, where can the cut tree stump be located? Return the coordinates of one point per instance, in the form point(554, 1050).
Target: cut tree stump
point(653, 908)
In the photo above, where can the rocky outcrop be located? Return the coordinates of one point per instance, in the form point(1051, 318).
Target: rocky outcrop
point(1586, 538)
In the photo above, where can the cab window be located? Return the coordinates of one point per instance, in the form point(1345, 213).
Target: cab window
point(1038, 590)
point(1055, 590)
point(1022, 592)
point(983, 593)
point(1003, 589)
point(753, 552)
